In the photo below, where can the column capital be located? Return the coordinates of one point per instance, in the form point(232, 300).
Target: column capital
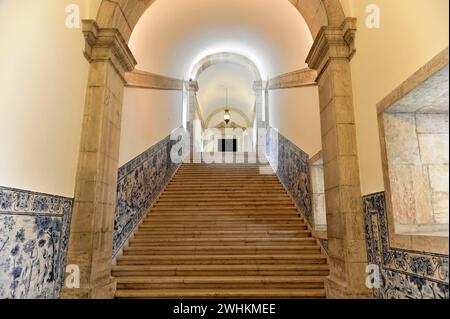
point(107, 45)
point(258, 86)
point(333, 43)
point(193, 86)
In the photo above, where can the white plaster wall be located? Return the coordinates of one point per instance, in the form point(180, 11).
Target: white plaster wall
point(295, 113)
point(43, 77)
point(148, 116)
point(412, 32)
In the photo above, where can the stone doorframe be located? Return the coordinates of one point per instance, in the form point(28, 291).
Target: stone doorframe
point(90, 245)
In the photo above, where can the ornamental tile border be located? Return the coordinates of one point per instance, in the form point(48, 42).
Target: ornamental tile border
point(404, 273)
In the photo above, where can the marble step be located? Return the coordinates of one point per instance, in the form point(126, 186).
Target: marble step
point(221, 270)
point(222, 250)
point(217, 241)
point(224, 282)
point(220, 227)
point(220, 294)
point(163, 233)
point(214, 259)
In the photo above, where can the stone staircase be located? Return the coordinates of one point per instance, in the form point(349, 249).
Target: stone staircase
point(222, 231)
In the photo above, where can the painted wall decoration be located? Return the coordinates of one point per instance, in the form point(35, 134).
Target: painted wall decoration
point(293, 171)
point(404, 273)
point(139, 184)
point(34, 234)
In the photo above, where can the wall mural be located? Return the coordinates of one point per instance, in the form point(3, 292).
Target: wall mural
point(34, 233)
point(404, 273)
point(293, 171)
point(139, 184)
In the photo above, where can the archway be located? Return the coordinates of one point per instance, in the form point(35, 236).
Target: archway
point(241, 64)
point(93, 216)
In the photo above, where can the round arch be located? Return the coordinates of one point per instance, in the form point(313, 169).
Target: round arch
point(224, 57)
point(244, 116)
point(125, 14)
point(110, 57)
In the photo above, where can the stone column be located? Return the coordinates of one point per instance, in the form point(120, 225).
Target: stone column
point(91, 236)
point(191, 116)
point(261, 143)
point(330, 56)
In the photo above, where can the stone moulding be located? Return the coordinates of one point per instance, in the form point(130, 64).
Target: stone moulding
point(408, 241)
point(332, 43)
point(139, 184)
point(107, 44)
point(421, 75)
point(299, 78)
point(404, 273)
point(34, 233)
point(146, 80)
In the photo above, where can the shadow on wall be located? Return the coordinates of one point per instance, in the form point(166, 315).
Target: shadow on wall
point(34, 232)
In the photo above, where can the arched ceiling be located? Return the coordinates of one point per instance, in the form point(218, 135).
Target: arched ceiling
point(173, 35)
point(213, 83)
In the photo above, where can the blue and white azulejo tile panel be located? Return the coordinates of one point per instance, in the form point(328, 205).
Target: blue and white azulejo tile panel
point(34, 233)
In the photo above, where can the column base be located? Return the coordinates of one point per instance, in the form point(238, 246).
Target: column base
point(338, 289)
point(102, 290)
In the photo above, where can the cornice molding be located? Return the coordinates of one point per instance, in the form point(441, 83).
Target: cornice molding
point(299, 78)
point(332, 43)
point(107, 44)
point(146, 80)
point(415, 80)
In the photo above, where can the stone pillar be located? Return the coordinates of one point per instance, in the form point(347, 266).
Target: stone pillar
point(261, 143)
point(330, 56)
point(91, 236)
point(190, 117)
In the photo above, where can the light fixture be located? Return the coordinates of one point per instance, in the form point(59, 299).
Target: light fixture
point(227, 115)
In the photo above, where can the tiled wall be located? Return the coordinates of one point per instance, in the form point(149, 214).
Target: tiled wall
point(404, 273)
point(140, 182)
point(34, 233)
point(293, 171)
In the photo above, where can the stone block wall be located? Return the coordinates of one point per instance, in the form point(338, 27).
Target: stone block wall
point(34, 233)
point(417, 154)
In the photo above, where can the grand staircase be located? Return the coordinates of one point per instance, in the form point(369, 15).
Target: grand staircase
point(222, 231)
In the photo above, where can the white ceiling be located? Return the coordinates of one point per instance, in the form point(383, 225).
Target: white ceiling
point(174, 34)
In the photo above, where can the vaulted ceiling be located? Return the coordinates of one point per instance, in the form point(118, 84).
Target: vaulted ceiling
point(271, 33)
